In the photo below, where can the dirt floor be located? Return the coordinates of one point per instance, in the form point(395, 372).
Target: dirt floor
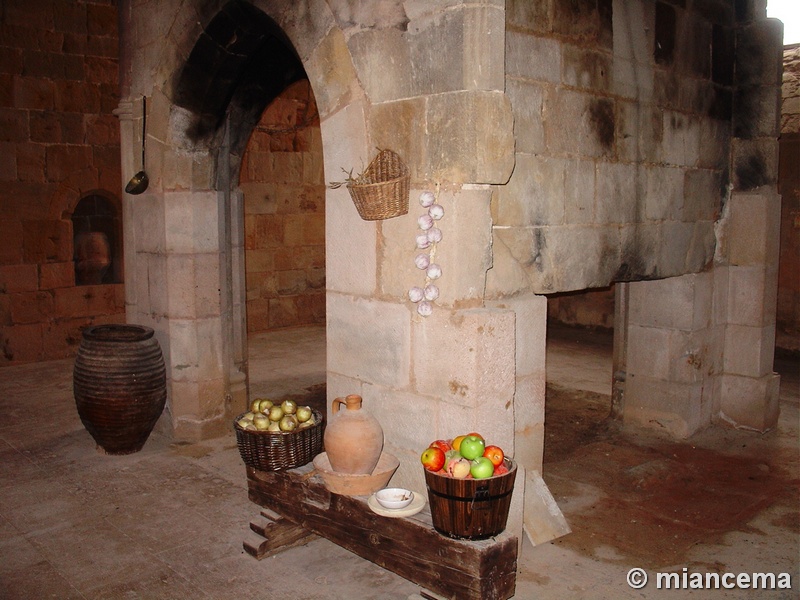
point(654, 500)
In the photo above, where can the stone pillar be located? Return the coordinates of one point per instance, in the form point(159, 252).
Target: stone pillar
point(671, 354)
point(746, 284)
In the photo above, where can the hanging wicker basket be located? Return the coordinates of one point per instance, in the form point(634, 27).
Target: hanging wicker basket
point(381, 191)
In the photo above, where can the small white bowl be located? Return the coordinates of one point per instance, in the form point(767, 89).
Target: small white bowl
point(394, 497)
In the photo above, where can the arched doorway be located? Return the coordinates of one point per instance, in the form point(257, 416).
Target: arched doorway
point(251, 103)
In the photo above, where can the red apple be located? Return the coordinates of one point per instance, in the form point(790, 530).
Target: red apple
point(494, 454)
point(444, 445)
point(501, 469)
point(432, 459)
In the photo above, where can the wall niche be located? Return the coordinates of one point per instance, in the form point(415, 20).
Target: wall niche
point(97, 240)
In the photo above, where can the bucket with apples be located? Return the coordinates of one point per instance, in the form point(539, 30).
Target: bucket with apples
point(470, 484)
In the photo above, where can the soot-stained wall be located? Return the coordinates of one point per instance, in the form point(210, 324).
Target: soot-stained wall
point(626, 114)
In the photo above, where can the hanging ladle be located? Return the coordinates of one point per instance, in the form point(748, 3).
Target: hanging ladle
point(139, 182)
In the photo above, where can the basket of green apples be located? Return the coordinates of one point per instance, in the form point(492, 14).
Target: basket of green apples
point(274, 436)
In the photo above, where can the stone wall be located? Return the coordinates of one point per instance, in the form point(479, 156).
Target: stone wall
point(59, 142)
point(788, 316)
point(622, 137)
point(284, 205)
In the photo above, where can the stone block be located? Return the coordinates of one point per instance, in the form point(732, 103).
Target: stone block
point(86, 301)
point(676, 241)
point(31, 307)
point(579, 123)
point(409, 421)
point(679, 410)
point(750, 402)
point(649, 352)
point(664, 303)
point(543, 519)
point(755, 163)
point(22, 343)
point(714, 144)
point(638, 250)
point(474, 141)
point(330, 66)
point(746, 295)
point(579, 192)
point(382, 59)
point(526, 102)
point(192, 285)
point(483, 58)
point(507, 275)
point(665, 193)
point(752, 229)
point(702, 195)
point(147, 216)
point(638, 132)
point(350, 247)
point(586, 69)
point(529, 411)
point(18, 278)
point(749, 351)
point(680, 139)
point(369, 340)
point(520, 47)
point(11, 248)
point(61, 338)
point(46, 241)
point(535, 193)
point(191, 222)
point(55, 275)
point(155, 285)
point(619, 189)
point(546, 254)
point(465, 357)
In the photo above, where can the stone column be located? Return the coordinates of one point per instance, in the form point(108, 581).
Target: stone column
point(671, 355)
point(746, 285)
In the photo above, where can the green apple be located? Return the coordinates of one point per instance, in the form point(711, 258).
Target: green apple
point(289, 407)
point(482, 468)
point(261, 422)
point(289, 423)
point(303, 413)
point(275, 413)
point(472, 447)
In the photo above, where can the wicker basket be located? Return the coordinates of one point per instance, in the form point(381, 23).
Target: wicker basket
point(381, 192)
point(268, 451)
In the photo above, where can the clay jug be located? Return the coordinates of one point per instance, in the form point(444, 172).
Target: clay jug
point(353, 438)
point(92, 257)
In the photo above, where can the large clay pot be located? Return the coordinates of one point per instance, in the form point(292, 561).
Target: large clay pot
point(92, 257)
point(120, 385)
point(353, 438)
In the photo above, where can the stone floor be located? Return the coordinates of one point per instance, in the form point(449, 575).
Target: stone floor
point(168, 522)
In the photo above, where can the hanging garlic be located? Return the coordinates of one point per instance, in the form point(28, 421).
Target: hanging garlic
point(434, 271)
point(431, 292)
point(425, 222)
point(424, 308)
point(415, 294)
point(423, 240)
point(434, 235)
point(436, 211)
point(426, 199)
point(422, 261)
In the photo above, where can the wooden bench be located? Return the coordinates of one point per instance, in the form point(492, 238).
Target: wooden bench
point(410, 546)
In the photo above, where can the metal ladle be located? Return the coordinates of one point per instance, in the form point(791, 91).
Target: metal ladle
point(140, 181)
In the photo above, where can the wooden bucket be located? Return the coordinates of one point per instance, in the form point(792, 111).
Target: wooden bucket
point(470, 509)
point(120, 385)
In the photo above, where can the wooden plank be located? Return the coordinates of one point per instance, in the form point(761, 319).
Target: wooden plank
point(410, 547)
point(270, 534)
